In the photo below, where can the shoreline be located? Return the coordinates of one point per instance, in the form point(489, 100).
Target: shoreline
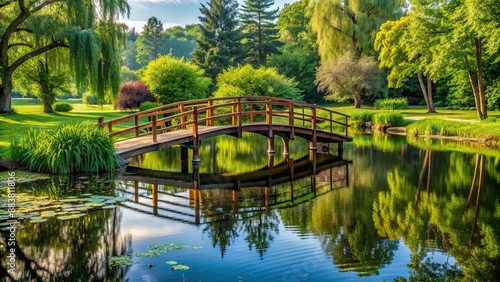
point(402, 132)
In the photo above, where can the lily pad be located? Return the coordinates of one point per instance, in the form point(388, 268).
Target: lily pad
point(179, 267)
point(171, 262)
point(120, 261)
point(38, 220)
point(109, 207)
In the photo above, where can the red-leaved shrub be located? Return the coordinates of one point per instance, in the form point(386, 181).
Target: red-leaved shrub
point(132, 94)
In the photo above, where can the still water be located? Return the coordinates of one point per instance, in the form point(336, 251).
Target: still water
point(393, 208)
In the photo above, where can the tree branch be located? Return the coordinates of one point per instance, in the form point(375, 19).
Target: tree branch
point(43, 5)
point(19, 44)
point(23, 29)
point(35, 53)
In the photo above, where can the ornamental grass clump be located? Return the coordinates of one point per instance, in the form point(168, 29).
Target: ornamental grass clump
point(72, 148)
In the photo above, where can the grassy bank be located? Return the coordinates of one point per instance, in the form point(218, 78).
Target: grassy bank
point(487, 130)
point(29, 115)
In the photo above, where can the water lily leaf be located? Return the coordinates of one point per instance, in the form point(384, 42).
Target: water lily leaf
point(197, 247)
point(38, 220)
point(109, 207)
point(120, 261)
point(147, 254)
point(179, 267)
point(171, 262)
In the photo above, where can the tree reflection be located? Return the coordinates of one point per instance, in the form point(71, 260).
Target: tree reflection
point(69, 250)
point(460, 221)
point(261, 230)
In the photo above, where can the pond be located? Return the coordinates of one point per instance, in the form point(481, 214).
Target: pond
point(393, 208)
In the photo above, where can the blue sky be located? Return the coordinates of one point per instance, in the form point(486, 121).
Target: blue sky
point(170, 12)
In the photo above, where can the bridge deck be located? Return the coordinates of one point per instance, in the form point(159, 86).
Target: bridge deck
point(139, 145)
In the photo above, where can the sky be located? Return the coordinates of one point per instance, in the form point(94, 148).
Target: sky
point(171, 12)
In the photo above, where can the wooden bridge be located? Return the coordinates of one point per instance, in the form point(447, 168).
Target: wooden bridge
point(187, 123)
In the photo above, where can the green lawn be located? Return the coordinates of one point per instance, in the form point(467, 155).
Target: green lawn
point(29, 115)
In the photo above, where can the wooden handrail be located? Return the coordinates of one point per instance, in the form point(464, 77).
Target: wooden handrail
point(208, 110)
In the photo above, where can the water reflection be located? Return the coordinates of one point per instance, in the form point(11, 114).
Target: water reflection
point(403, 209)
point(70, 250)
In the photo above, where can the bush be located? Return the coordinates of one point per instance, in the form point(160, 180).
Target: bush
point(148, 105)
point(72, 148)
point(132, 94)
point(249, 81)
point(391, 104)
point(89, 99)
point(389, 119)
point(362, 116)
point(173, 79)
point(62, 107)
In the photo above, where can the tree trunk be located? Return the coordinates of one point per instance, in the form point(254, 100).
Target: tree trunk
point(357, 102)
point(475, 90)
point(430, 106)
point(47, 107)
point(427, 92)
point(480, 85)
point(6, 87)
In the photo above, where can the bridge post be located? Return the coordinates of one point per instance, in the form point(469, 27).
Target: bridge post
point(210, 113)
point(240, 119)
point(270, 145)
point(340, 149)
point(100, 121)
point(312, 144)
point(286, 147)
point(155, 129)
point(183, 118)
point(184, 159)
point(291, 119)
point(196, 141)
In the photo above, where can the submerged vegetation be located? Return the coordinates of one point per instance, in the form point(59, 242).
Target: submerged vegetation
point(80, 147)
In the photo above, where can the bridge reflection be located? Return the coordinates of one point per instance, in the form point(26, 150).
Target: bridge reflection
point(206, 197)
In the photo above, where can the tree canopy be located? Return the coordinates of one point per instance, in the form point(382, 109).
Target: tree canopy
point(87, 29)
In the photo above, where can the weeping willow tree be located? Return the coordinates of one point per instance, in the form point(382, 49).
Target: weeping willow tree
point(86, 28)
point(45, 76)
point(350, 25)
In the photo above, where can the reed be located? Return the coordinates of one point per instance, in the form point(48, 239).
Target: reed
point(72, 148)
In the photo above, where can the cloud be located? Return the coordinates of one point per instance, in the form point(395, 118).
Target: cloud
point(139, 2)
point(139, 24)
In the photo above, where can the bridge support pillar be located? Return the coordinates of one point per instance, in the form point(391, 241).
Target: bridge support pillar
point(184, 159)
point(196, 151)
point(270, 145)
point(340, 149)
point(286, 147)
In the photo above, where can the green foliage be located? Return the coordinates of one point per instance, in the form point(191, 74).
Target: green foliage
point(493, 96)
point(350, 25)
point(62, 107)
point(127, 75)
point(219, 45)
point(346, 78)
point(89, 99)
point(391, 104)
point(259, 30)
point(361, 116)
point(150, 41)
point(173, 79)
point(80, 147)
point(249, 81)
point(388, 118)
point(148, 105)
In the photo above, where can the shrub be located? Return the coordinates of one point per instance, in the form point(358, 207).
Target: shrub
point(89, 99)
point(62, 107)
point(148, 105)
point(391, 104)
point(173, 80)
point(72, 148)
point(249, 81)
point(132, 94)
point(389, 119)
point(362, 116)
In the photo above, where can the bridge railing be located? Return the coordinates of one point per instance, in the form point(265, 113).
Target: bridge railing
point(234, 111)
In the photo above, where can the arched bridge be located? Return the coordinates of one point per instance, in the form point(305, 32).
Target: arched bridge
point(187, 123)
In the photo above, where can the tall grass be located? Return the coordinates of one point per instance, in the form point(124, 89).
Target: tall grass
point(389, 119)
point(391, 104)
point(80, 147)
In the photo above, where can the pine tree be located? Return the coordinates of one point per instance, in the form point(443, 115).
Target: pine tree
point(259, 29)
point(150, 41)
point(219, 44)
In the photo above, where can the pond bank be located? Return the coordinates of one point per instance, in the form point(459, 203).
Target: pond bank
point(403, 131)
